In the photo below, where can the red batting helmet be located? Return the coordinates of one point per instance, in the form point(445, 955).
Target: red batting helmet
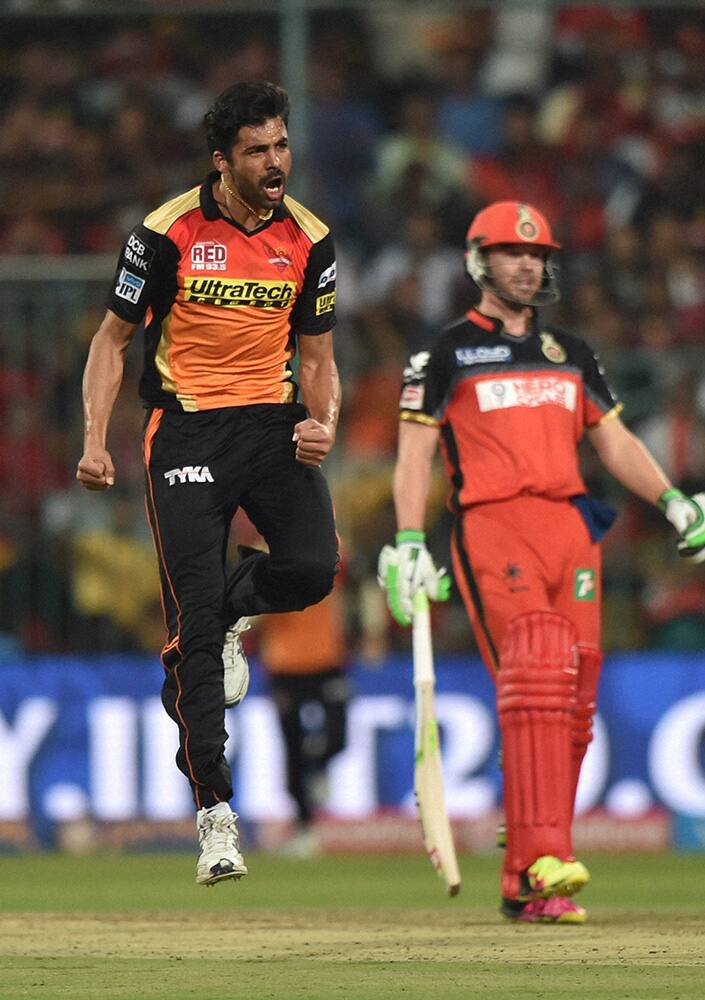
point(515, 223)
point(511, 222)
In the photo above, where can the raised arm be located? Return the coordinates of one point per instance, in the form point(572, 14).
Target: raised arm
point(101, 383)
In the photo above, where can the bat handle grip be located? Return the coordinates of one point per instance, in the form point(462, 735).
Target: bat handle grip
point(421, 640)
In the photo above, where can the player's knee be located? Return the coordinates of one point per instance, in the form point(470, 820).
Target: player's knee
point(311, 580)
point(539, 639)
point(538, 662)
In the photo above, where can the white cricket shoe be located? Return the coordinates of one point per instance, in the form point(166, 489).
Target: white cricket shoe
point(220, 856)
point(236, 673)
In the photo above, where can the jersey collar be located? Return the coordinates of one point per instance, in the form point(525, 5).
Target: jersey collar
point(494, 325)
point(212, 212)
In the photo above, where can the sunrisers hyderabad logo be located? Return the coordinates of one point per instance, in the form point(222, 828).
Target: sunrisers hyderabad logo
point(526, 227)
point(551, 349)
point(279, 256)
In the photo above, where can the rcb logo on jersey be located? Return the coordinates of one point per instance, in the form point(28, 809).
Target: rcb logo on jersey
point(551, 349)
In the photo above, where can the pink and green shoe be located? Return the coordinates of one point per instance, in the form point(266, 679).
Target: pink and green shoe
point(556, 910)
point(549, 876)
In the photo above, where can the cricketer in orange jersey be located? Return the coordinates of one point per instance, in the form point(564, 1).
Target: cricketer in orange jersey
point(509, 398)
point(231, 278)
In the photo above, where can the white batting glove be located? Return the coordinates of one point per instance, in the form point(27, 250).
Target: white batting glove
point(687, 515)
point(404, 570)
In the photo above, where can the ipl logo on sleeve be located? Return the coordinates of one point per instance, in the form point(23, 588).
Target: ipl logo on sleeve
point(129, 286)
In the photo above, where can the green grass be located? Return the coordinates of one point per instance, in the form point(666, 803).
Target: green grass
point(145, 882)
point(138, 927)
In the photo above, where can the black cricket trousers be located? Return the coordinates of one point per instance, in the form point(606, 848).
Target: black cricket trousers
point(199, 468)
point(308, 751)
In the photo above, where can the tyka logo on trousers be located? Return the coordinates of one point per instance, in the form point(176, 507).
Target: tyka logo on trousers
point(189, 474)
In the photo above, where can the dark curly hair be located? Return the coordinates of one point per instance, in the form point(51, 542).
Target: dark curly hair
point(243, 104)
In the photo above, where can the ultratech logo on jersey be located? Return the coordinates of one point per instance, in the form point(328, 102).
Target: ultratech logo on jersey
point(327, 276)
point(138, 254)
point(504, 393)
point(482, 355)
point(234, 293)
point(129, 286)
point(189, 474)
point(325, 303)
point(209, 256)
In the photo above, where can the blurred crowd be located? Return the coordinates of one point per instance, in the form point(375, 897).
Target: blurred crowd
point(595, 114)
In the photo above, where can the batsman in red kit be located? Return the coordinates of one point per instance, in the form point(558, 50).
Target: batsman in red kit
point(510, 397)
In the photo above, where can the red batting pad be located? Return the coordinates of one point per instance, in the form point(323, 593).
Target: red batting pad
point(536, 697)
point(589, 665)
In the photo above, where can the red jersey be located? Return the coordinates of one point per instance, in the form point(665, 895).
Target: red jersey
point(222, 305)
point(511, 410)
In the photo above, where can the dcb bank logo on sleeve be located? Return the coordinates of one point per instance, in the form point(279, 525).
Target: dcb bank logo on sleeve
point(138, 254)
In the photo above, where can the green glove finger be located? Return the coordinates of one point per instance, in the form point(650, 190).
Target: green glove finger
point(695, 534)
point(444, 588)
point(393, 599)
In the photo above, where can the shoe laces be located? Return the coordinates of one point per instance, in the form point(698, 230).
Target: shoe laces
point(219, 832)
point(232, 647)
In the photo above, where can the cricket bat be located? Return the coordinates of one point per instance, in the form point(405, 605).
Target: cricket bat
point(428, 775)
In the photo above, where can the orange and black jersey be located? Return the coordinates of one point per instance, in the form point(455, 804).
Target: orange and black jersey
point(222, 306)
point(511, 410)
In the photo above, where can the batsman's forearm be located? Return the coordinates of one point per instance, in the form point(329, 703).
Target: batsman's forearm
point(637, 470)
point(320, 391)
point(101, 383)
point(412, 474)
point(411, 486)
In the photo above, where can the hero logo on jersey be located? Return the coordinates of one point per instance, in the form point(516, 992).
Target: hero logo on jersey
point(504, 393)
point(129, 286)
point(209, 256)
point(327, 276)
point(138, 254)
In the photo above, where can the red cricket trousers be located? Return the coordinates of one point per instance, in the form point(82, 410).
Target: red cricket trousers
point(512, 558)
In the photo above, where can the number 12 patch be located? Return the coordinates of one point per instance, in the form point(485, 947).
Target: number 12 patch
point(584, 586)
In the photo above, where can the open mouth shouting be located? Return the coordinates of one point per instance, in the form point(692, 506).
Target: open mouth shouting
point(273, 186)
